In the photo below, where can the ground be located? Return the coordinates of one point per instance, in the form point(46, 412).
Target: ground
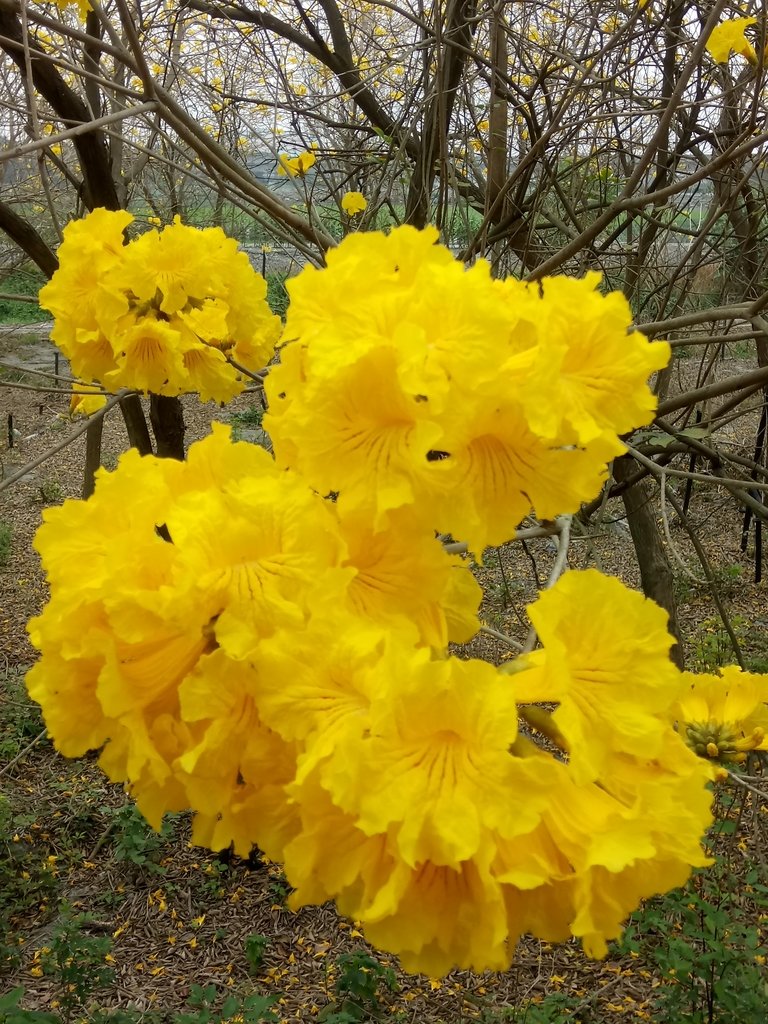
point(162, 917)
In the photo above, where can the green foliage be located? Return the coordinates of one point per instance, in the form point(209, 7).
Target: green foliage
point(212, 882)
point(203, 1001)
point(358, 989)
point(26, 881)
point(136, 842)
point(255, 948)
point(705, 942)
point(51, 492)
point(20, 718)
point(11, 1012)
point(27, 878)
point(21, 282)
point(711, 645)
point(249, 418)
point(6, 539)
point(554, 1008)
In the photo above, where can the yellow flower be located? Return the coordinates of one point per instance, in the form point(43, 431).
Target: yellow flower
point(84, 404)
point(296, 166)
point(722, 717)
point(590, 374)
point(83, 6)
point(439, 747)
point(601, 641)
point(500, 468)
point(374, 440)
point(150, 359)
point(85, 307)
point(729, 37)
point(353, 203)
point(404, 571)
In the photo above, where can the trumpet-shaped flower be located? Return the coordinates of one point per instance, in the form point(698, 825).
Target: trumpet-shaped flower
point(729, 37)
point(401, 571)
point(722, 717)
point(601, 642)
point(86, 399)
point(592, 374)
point(296, 166)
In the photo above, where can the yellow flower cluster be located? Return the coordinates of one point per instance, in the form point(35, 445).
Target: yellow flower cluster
point(170, 312)
point(475, 399)
point(266, 641)
point(240, 646)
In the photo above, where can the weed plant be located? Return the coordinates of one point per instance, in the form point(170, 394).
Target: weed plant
point(136, 843)
point(360, 988)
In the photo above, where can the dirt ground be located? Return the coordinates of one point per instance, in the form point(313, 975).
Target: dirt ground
point(188, 922)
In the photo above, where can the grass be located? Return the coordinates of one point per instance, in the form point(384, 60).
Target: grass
point(249, 419)
point(277, 293)
point(26, 282)
point(51, 492)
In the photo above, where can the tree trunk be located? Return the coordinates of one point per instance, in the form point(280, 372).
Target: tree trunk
point(655, 571)
point(136, 424)
point(167, 419)
point(92, 455)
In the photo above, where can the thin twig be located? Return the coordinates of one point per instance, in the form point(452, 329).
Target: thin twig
point(561, 561)
point(6, 768)
point(527, 533)
point(738, 778)
point(490, 631)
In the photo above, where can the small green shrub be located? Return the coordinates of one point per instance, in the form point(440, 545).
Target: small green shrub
point(136, 842)
point(51, 492)
point(12, 1013)
point(249, 418)
point(253, 1009)
point(359, 989)
point(20, 718)
point(255, 948)
point(705, 943)
point(75, 960)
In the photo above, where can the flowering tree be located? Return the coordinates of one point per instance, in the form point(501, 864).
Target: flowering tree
point(266, 640)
